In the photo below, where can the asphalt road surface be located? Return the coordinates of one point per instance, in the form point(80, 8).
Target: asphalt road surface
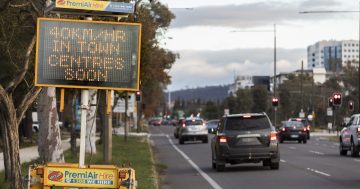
point(316, 164)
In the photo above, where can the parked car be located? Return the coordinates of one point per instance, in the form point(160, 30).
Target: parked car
point(350, 137)
point(193, 129)
point(212, 125)
point(156, 121)
point(245, 138)
point(293, 130)
point(306, 123)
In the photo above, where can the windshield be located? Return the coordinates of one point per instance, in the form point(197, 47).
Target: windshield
point(194, 122)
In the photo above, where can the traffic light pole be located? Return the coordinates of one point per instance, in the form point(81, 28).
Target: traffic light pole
point(275, 109)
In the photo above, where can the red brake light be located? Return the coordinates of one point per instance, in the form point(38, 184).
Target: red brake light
point(222, 139)
point(358, 129)
point(273, 136)
point(283, 129)
point(183, 125)
point(305, 129)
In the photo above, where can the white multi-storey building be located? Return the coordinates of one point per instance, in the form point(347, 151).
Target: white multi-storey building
point(332, 55)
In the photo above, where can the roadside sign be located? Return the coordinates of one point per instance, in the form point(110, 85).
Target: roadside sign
point(226, 111)
point(330, 126)
point(302, 114)
point(120, 105)
point(87, 54)
point(329, 112)
point(106, 6)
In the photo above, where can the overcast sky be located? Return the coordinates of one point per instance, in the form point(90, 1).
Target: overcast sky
point(219, 39)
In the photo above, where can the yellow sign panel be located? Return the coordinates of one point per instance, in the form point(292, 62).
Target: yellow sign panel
point(77, 177)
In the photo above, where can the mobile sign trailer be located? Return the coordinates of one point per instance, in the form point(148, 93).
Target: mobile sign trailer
point(87, 55)
point(68, 175)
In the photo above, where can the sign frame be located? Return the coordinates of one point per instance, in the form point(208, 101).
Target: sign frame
point(88, 86)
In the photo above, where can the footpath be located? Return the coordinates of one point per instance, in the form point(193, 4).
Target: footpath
point(31, 153)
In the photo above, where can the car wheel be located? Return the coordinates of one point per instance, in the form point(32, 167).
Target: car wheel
point(341, 148)
point(219, 166)
point(274, 165)
point(213, 164)
point(281, 141)
point(304, 141)
point(354, 150)
point(299, 141)
point(181, 141)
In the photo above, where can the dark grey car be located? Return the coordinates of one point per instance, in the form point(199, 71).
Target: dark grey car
point(245, 138)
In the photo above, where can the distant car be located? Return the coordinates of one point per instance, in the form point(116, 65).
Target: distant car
point(177, 128)
point(156, 122)
point(212, 125)
point(306, 123)
point(193, 129)
point(245, 138)
point(293, 130)
point(350, 137)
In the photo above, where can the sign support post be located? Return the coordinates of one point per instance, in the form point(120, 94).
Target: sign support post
point(84, 108)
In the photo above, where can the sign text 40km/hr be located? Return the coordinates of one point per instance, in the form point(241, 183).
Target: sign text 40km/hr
point(88, 54)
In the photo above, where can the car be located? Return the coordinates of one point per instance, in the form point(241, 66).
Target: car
point(293, 130)
point(306, 122)
point(350, 137)
point(212, 125)
point(193, 129)
point(156, 122)
point(245, 138)
point(177, 128)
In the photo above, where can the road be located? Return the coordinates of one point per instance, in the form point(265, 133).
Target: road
point(316, 164)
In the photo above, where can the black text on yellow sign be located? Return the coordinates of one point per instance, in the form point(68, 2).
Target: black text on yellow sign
point(88, 54)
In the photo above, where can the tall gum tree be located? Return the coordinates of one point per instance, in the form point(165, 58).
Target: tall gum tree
point(17, 93)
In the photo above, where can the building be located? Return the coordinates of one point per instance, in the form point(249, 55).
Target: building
point(248, 82)
point(333, 55)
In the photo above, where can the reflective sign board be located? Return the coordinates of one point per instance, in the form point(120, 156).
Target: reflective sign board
point(87, 54)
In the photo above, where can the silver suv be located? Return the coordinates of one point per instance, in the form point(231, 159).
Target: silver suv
point(192, 128)
point(350, 137)
point(245, 138)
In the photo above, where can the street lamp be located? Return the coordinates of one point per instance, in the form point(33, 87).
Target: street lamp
point(344, 11)
point(274, 81)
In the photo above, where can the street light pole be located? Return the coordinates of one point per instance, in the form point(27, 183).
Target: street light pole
point(358, 11)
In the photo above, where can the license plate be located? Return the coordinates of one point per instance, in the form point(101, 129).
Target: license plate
point(248, 139)
point(294, 136)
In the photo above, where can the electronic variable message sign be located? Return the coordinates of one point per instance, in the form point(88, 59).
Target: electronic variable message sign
point(87, 54)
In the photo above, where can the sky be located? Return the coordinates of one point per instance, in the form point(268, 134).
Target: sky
point(218, 39)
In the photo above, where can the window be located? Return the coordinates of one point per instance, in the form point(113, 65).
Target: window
point(245, 123)
point(344, 50)
point(313, 54)
point(313, 59)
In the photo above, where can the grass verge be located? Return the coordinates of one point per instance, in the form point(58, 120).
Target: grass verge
point(134, 152)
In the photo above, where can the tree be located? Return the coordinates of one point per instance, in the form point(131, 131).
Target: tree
point(211, 110)
point(244, 100)
point(17, 42)
point(155, 61)
point(49, 139)
point(260, 98)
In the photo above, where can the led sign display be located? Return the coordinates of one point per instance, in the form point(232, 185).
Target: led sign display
point(87, 54)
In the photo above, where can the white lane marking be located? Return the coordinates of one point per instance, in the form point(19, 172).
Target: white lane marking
point(319, 172)
point(357, 160)
point(281, 160)
point(292, 147)
point(158, 135)
point(202, 173)
point(315, 152)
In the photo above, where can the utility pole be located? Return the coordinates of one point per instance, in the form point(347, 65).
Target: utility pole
point(301, 85)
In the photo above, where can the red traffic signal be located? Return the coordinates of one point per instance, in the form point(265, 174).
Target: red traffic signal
point(275, 101)
point(138, 96)
point(337, 99)
point(351, 105)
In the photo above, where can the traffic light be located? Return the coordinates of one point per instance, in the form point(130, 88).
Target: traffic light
point(330, 102)
point(337, 99)
point(275, 101)
point(351, 105)
point(138, 96)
